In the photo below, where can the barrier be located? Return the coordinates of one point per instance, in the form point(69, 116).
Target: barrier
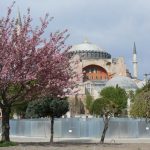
point(80, 127)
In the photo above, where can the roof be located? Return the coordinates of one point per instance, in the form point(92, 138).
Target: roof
point(123, 82)
point(86, 46)
point(141, 84)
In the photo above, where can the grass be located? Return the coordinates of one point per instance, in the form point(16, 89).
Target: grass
point(7, 144)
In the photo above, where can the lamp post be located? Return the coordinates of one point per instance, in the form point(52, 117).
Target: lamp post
point(146, 79)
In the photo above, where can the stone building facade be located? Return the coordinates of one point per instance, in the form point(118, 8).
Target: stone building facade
point(95, 67)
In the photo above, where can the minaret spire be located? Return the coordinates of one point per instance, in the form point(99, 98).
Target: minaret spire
point(18, 22)
point(134, 49)
point(135, 66)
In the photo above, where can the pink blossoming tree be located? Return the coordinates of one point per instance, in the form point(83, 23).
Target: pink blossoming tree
point(30, 66)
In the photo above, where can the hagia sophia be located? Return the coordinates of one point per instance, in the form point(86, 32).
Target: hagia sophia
point(99, 69)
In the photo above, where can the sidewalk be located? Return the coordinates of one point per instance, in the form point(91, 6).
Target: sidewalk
point(80, 140)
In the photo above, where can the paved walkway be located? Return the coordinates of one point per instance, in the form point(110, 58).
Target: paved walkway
point(81, 140)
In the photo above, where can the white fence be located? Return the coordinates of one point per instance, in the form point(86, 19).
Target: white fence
point(80, 127)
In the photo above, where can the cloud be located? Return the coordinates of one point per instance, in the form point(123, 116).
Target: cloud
point(113, 25)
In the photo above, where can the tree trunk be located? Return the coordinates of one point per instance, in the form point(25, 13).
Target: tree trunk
point(52, 129)
point(106, 121)
point(5, 123)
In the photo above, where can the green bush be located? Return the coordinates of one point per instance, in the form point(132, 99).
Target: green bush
point(7, 144)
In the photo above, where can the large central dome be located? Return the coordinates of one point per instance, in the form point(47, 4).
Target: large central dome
point(87, 50)
point(86, 46)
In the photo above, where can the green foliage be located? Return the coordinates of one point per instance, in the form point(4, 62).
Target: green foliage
point(15, 92)
point(6, 144)
point(131, 95)
point(47, 107)
point(34, 109)
point(141, 104)
point(139, 108)
point(99, 106)
point(113, 100)
point(117, 95)
point(88, 101)
point(13, 89)
point(19, 108)
point(78, 105)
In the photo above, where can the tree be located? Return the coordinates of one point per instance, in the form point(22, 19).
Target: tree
point(141, 103)
point(103, 107)
point(99, 106)
point(19, 109)
point(30, 65)
point(117, 98)
point(48, 108)
point(112, 102)
point(88, 101)
point(76, 105)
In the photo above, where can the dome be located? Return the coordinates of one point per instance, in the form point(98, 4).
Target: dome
point(123, 82)
point(87, 50)
point(141, 84)
point(86, 46)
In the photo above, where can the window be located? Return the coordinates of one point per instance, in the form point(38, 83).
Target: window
point(95, 54)
point(96, 70)
point(100, 55)
point(92, 54)
point(88, 87)
point(89, 70)
point(89, 55)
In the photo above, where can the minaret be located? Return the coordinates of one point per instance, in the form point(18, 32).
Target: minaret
point(135, 67)
point(1, 26)
point(18, 22)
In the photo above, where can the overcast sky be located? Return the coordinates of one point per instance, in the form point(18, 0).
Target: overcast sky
point(111, 24)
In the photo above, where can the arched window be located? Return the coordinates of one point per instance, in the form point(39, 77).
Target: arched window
point(101, 55)
point(95, 72)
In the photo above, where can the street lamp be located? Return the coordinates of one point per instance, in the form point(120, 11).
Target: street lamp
point(146, 74)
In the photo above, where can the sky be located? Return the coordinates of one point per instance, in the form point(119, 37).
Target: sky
point(113, 25)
